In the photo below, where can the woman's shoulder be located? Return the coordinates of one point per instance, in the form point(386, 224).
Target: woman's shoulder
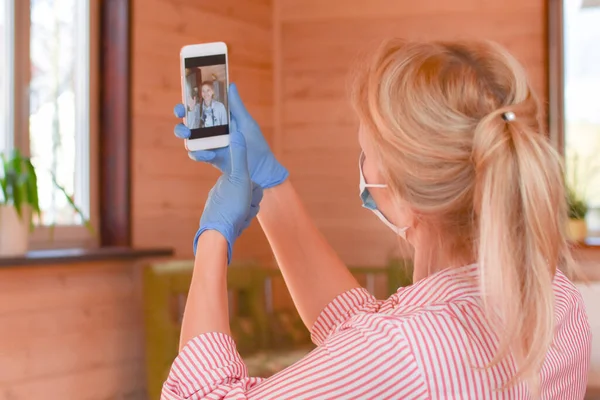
point(567, 295)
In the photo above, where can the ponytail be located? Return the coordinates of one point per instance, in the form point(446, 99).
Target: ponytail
point(520, 212)
point(461, 140)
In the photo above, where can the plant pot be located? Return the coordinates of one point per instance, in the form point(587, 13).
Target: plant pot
point(14, 231)
point(577, 230)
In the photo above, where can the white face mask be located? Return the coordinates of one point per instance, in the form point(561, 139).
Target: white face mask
point(369, 203)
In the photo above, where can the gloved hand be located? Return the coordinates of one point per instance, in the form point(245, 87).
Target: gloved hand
point(234, 200)
point(264, 168)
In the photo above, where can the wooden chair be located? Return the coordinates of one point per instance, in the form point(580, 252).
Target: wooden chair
point(268, 337)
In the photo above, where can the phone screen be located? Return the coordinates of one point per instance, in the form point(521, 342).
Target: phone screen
point(206, 103)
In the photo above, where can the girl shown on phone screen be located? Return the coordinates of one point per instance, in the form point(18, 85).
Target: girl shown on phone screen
point(213, 112)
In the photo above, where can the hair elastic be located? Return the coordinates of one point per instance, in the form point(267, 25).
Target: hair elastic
point(509, 116)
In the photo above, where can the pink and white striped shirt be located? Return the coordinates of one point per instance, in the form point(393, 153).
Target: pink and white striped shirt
point(424, 342)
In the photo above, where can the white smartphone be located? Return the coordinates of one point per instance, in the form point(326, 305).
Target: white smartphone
point(205, 89)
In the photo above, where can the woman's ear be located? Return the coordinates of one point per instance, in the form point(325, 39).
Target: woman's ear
point(404, 215)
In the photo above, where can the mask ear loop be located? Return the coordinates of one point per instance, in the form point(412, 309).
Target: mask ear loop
point(402, 231)
point(376, 185)
point(363, 185)
point(363, 182)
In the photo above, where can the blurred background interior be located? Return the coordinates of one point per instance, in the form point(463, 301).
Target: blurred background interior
point(91, 297)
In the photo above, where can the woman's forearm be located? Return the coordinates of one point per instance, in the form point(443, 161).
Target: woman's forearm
point(206, 309)
point(313, 272)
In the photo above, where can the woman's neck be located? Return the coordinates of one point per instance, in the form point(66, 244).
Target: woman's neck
point(208, 103)
point(431, 256)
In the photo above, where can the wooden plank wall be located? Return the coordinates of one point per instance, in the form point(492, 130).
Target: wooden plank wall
point(291, 60)
point(71, 332)
point(169, 189)
point(315, 129)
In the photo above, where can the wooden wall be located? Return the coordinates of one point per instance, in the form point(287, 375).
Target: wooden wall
point(290, 60)
point(169, 189)
point(316, 45)
point(71, 332)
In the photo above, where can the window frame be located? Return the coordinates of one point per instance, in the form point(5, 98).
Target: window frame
point(556, 87)
point(59, 236)
point(115, 124)
point(8, 66)
point(556, 79)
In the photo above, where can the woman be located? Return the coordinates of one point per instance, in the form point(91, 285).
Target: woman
point(213, 112)
point(455, 161)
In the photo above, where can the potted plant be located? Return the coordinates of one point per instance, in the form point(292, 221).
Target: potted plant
point(581, 171)
point(20, 203)
point(577, 228)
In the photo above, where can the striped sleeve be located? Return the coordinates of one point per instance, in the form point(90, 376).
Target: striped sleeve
point(370, 361)
point(342, 308)
point(208, 363)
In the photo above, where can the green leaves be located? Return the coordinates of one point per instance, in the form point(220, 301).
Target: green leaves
point(19, 186)
point(577, 206)
point(32, 189)
point(576, 197)
point(19, 183)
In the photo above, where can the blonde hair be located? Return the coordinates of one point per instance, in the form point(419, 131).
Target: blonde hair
point(492, 187)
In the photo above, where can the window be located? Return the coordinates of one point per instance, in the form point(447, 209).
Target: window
point(574, 89)
point(5, 74)
point(49, 49)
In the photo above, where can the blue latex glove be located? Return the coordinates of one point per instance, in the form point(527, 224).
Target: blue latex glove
point(264, 168)
point(234, 200)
